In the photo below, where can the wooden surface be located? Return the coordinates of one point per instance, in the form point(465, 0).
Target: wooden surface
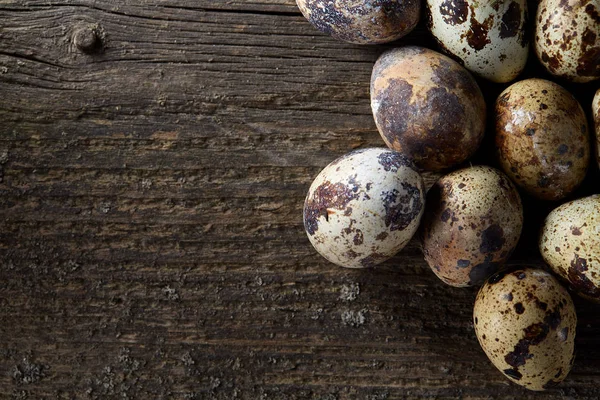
point(151, 239)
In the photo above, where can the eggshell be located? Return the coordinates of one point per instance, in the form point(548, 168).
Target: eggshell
point(570, 244)
point(427, 107)
point(567, 38)
point(596, 113)
point(489, 37)
point(525, 322)
point(362, 21)
point(542, 138)
point(364, 207)
point(472, 223)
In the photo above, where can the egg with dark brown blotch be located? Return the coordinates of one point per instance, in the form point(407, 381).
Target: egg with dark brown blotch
point(542, 138)
point(596, 114)
point(364, 207)
point(525, 322)
point(489, 37)
point(472, 223)
point(427, 107)
point(567, 38)
point(570, 244)
point(362, 21)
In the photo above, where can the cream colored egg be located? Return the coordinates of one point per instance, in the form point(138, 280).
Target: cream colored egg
point(364, 207)
point(570, 244)
point(567, 38)
point(488, 36)
point(542, 138)
point(525, 322)
point(472, 223)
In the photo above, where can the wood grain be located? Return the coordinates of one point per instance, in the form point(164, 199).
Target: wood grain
point(151, 241)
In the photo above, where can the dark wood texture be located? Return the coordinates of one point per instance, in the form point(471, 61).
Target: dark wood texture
point(151, 240)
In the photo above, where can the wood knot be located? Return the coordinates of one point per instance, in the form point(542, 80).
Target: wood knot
point(87, 39)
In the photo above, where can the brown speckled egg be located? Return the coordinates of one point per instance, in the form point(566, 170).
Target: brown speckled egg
point(596, 113)
point(570, 244)
point(364, 207)
point(427, 106)
point(489, 37)
point(362, 21)
point(567, 38)
point(542, 138)
point(472, 223)
point(525, 322)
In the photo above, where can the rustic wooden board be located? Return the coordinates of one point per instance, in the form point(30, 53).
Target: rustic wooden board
point(151, 241)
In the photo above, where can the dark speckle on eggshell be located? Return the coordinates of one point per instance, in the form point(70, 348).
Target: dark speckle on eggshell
point(534, 334)
point(519, 309)
point(552, 61)
point(477, 36)
point(511, 21)
point(401, 210)
point(591, 10)
point(492, 239)
point(454, 12)
point(391, 161)
point(327, 195)
point(579, 280)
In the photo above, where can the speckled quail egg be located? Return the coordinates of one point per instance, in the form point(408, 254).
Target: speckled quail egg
point(525, 322)
point(596, 113)
point(570, 244)
point(362, 21)
point(427, 106)
point(542, 138)
point(472, 223)
point(567, 38)
point(364, 207)
point(489, 37)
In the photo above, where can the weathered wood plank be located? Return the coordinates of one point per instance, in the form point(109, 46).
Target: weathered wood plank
point(151, 244)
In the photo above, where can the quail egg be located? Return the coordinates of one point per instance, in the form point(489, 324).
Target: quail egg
point(567, 38)
point(364, 207)
point(570, 244)
point(362, 21)
point(542, 138)
point(472, 223)
point(427, 107)
point(525, 322)
point(489, 37)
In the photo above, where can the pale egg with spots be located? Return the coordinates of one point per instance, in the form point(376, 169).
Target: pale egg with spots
point(364, 207)
point(489, 37)
point(525, 322)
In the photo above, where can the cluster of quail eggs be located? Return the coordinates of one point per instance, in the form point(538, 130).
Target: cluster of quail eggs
point(364, 207)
